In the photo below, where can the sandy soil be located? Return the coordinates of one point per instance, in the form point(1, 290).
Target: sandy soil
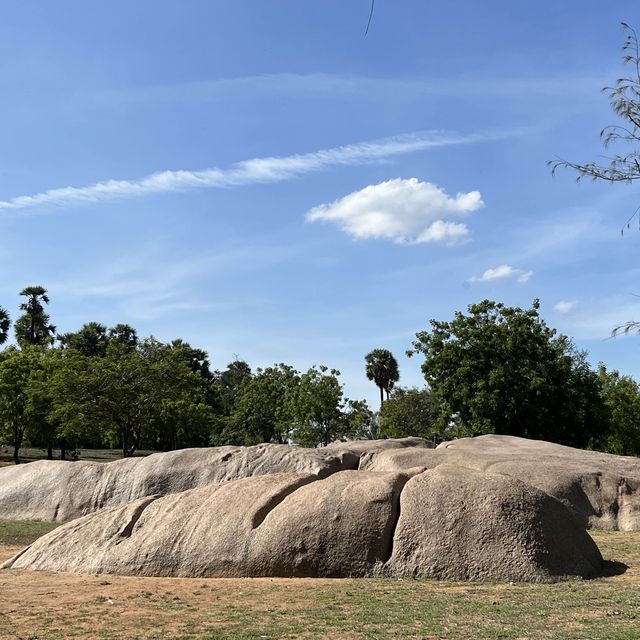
point(60, 605)
point(48, 606)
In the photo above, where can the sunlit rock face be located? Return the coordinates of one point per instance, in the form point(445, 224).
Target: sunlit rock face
point(492, 508)
point(60, 491)
point(602, 490)
point(447, 523)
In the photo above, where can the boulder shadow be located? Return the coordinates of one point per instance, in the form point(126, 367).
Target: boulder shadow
point(612, 568)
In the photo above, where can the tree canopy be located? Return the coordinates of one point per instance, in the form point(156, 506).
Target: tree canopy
point(495, 369)
point(5, 323)
point(622, 398)
point(411, 412)
point(502, 370)
point(382, 368)
point(33, 327)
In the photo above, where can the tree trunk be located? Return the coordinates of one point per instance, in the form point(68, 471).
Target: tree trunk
point(49, 450)
point(63, 449)
point(381, 397)
point(18, 435)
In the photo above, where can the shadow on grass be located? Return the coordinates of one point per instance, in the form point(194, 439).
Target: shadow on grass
point(612, 568)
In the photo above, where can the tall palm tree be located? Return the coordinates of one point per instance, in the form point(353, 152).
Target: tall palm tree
point(5, 322)
point(382, 368)
point(33, 327)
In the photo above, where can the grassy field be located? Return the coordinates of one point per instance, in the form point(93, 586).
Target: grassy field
point(30, 454)
point(39, 606)
point(21, 534)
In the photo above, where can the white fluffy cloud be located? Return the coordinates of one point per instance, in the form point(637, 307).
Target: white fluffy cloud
point(501, 272)
point(404, 211)
point(564, 306)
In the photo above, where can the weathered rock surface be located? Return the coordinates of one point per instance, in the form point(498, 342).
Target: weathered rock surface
point(367, 448)
point(401, 459)
point(488, 508)
point(61, 491)
point(448, 523)
point(461, 524)
point(602, 490)
point(55, 490)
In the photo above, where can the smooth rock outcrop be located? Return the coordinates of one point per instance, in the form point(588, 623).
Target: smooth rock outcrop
point(364, 449)
point(60, 491)
point(447, 523)
point(277, 525)
point(461, 524)
point(400, 459)
point(601, 489)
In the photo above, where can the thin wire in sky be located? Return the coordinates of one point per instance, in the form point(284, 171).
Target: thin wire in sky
point(373, 2)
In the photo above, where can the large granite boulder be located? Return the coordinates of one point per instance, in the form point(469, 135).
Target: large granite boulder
point(365, 449)
point(448, 523)
point(460, 524)
point(60, 491)
point(602, 490)
point(401, 459)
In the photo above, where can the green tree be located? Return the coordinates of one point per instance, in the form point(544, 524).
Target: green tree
point(5, 323)
point(502, 370)
point(263, 408)
point(180, 379)
point(33, 327)
point(411, 412)
point(229, 382)
point(382, 368)
point(360, 422)
point(622, 397)
point(90, 340)
point(127, 398)
point(124, 335)
point(43, 428)
point(17, 369)
point(317, 408)
point(73, 386)
point(196, 359)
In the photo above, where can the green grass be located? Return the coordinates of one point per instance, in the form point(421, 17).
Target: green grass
point(30, 454)
point(21, 533)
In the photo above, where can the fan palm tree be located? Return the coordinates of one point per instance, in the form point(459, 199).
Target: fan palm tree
point(5, 322)
point(382, 368)
point(33, 327)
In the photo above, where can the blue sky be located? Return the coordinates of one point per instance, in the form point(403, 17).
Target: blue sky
point(260, 179)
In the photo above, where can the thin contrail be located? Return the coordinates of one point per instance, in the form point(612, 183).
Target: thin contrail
point(254, 171)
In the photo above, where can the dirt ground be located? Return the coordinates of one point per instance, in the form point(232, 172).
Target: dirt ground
point(35, 605)
point(42, 605)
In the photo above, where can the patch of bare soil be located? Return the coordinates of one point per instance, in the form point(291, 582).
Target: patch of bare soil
point(63, 605)
point(47, 606)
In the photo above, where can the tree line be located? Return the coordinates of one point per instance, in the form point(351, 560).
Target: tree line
point(102, 387)
point(495, 369)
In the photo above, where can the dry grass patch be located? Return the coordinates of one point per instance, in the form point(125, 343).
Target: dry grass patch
point(39, 605)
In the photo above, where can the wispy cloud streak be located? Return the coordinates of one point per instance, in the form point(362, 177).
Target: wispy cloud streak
point(254, 171)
